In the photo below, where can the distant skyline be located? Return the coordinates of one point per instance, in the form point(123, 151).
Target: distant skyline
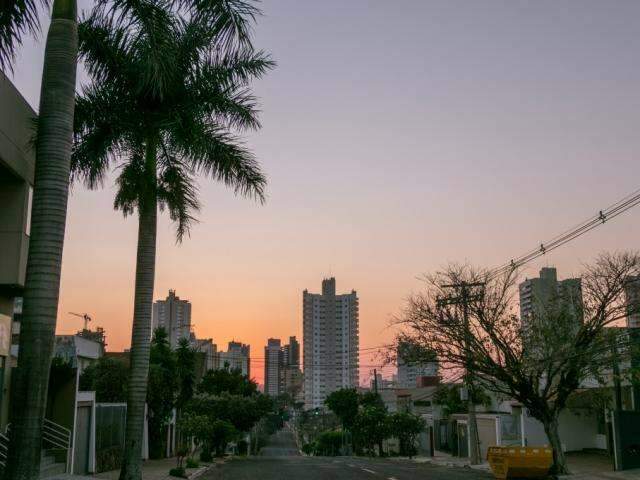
point(397, 137)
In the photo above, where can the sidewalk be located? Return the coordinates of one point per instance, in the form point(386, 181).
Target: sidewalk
point(151, 470)
point(446, 460)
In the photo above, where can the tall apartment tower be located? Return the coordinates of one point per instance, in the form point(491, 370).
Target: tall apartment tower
point(272, 367)
point(536, 293)
point(331, 342)
point(174, 315)
point(632, 294)
point(291, 353)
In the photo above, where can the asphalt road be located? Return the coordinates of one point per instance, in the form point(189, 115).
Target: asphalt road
point(280, 460)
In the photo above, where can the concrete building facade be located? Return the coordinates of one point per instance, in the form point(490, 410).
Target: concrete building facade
point(413, 365)
point(273, 367)
point(537, 293)
point(237, 357)
point(174, 315)
point(17, 169)
point(331, 342)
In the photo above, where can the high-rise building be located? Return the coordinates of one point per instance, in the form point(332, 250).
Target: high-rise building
point(237, 357)
point(537, 293)
point(273, 356)
point(174, 315)
point(414, 364)
point(291, 353)
point(632, 294)
point(331, 342)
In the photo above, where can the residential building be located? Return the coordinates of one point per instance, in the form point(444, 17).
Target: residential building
point(632, 294)
point(291, 353)
point(273, 356)
point(174, 315)
point(538, 293)
point(331, 342)
point(237, 357)
point(293, 379)
point(415, 365)
point(208, 350)
point(17, 166)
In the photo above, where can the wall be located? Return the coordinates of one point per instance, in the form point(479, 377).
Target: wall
point(577, 431)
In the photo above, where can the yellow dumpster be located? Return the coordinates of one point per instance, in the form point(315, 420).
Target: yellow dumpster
point(520, 462)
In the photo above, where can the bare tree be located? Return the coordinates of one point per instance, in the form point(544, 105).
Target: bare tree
point(539, 360)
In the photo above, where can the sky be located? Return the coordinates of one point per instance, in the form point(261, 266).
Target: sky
point(397, 136)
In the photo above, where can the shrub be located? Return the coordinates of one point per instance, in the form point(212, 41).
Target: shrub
point(192, 463)
point(308, 448)
point(178, 472)
point(243, 447)
point(329, 444)
point(205, 456)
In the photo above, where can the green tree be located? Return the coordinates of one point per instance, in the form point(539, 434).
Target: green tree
point(185, 369)
point(216, 382)
point(108, 378)
point(167, 95)
point(344, 403)
point(48, 220)
point(371, 428)
point(222, 432)
point(161, 392)
point(406, 427)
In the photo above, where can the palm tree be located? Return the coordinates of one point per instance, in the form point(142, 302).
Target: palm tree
point(165, 98)
point(49, 210)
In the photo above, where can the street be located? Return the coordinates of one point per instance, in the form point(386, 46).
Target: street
point(281, 460)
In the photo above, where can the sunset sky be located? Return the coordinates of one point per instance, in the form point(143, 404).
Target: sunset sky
point(397, 136)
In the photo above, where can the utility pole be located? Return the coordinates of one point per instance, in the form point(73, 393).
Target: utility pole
point(463, 297)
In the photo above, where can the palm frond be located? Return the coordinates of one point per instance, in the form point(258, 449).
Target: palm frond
point(178, 192)
point(17, 17)
point(131, 184)
point(105, 49)
point(152, 26)
point(230, 21)
point(219, 155)
point(101, 132)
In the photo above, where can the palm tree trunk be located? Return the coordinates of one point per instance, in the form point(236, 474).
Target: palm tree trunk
point(49, 213)
point(141, 331)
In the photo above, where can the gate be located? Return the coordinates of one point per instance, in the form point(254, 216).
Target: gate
point(626, 437)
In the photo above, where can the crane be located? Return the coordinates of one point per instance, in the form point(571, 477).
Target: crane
point(84, 316)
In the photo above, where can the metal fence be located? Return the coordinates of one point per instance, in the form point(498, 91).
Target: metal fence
point(111, 419)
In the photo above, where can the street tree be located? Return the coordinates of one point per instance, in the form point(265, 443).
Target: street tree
point(168, 96)
point(371, 427)
point(344, 403)
point(108, 377)
point(406, 427)
point(161, 392)
point(53, 142)
point(539, 360)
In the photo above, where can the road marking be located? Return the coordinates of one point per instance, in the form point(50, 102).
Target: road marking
point(351, 465)
point(369, 471)
point(392, 478)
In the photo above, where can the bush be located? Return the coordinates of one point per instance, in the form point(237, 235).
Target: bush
point(192, 463)
point(243, 447)
point(205, 456)
point(178, 472)
point(329, 444)
point(308, 448)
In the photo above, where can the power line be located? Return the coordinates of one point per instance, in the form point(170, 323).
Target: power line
point(607, 214)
